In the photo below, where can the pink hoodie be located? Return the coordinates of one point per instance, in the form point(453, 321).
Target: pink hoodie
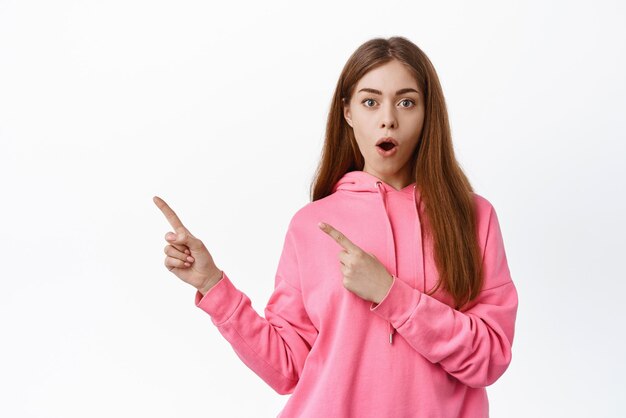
point(411, 355)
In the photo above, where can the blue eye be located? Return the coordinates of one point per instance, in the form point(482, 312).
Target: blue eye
point(368, 100)
point(408, 100)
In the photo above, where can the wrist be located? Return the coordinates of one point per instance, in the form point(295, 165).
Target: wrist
point(386, 288)
point(209, 283)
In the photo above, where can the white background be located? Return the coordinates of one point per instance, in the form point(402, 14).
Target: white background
point(220, 109)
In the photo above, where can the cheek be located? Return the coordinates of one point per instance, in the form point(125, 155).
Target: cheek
point(419, 121)
point(357, 127)
point(414, 126)
point(363, 135)
point(364, 126)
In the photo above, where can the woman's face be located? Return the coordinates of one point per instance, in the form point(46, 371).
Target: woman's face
point(387, 103)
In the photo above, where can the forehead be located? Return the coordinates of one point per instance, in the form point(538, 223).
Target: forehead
point(388, 77)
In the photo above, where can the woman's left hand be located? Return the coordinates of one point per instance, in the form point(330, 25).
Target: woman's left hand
point(363, 274)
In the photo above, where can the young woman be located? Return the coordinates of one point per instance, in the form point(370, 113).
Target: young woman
point(393, 296)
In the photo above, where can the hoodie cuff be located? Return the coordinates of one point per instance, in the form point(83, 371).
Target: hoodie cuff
point(398, 304)
point(220, 301)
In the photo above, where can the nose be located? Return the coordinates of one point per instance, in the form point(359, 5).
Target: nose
point(388, 117)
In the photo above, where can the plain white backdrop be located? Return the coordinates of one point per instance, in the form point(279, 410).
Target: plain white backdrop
point(220, 109)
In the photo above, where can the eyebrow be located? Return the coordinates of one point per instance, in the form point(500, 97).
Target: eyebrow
point(399, 92)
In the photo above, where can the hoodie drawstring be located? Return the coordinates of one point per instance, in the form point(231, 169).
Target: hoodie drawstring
point(391, 244)
point(391, 250)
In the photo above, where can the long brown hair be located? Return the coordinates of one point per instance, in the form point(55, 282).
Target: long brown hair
point(446, 193)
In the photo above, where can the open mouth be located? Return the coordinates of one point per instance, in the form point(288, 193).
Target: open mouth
point(386, 145)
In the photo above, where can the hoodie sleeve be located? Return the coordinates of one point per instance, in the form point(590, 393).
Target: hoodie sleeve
point(474, 346)
point(276, 346)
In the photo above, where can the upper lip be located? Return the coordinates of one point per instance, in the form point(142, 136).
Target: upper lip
point(387, 139)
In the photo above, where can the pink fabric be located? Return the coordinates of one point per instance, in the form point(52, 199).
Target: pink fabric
point(331, 350)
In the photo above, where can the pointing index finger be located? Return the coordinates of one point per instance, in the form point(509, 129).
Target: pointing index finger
point(169, 213)
point(339, 238)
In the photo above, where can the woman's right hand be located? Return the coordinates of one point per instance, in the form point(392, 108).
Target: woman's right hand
point(187, 257)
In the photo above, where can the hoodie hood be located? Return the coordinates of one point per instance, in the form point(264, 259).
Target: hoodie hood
point(362, 181)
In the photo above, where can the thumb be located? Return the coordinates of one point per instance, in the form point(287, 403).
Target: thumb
point(184, 237)
point(171, 237)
